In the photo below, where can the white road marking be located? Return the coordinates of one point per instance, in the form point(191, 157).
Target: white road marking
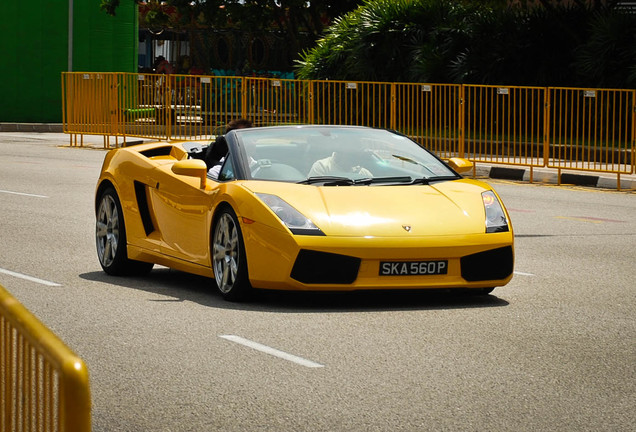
point(23, 194)
point(271, 351)
point(29, 278)
point(523, 274)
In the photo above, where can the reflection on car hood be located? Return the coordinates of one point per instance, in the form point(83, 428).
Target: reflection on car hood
point(445, 208)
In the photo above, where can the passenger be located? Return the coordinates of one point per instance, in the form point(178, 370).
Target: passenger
point(217, 151)
point(341, 163)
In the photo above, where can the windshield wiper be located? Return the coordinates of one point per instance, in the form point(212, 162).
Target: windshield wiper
point(412, 161)
point(395, 179)
point(328, 180)
point(429, 180)
point(346, 181)
point(406, 159)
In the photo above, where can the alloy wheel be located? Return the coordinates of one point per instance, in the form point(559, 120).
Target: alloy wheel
point(226, 253)
point(107, 230)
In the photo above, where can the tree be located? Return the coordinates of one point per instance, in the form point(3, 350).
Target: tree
point(608, 56)
point(583, 44)
point(289, 16)
point(392, 40)
point(299, 22)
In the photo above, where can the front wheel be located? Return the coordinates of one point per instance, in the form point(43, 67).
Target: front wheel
point(228, 257)
point(110, 237)
point(481, 291)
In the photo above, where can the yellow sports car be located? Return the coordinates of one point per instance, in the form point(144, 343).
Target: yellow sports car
point(302, 208)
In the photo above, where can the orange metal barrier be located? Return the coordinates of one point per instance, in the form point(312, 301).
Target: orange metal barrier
point(504, 124)
point(43, 385)
point(430, 114)
point(591, 130)
point(561, 128)
point(90, 103)
point(276, 101)
point(351, 103)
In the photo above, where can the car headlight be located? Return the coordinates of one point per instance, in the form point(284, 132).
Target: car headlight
point(496, 220)
point(292, 218)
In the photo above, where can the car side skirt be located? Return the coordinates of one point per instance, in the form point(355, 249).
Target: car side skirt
point(145, 255)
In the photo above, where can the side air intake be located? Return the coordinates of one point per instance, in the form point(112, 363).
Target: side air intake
point(142, 205)
point(494, 264)
point(313, 267)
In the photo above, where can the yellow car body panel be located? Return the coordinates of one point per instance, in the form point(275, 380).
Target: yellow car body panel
point(169, 219)
point(383, 211)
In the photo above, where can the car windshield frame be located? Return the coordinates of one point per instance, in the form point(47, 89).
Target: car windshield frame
point(333, 156)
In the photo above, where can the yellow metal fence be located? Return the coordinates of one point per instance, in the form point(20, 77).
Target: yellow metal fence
point(43, 385)
point(561, 128)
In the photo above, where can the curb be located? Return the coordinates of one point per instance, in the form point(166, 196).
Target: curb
point(552, 177)
point(32, 127)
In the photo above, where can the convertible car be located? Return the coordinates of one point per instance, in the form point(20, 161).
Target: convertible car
point(302, 208)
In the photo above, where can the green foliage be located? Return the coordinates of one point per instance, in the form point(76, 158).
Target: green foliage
point(442, 32)
point(478, 42)
point(608, 56)
point(511, 46)
point(109, 6)
point(358, 42)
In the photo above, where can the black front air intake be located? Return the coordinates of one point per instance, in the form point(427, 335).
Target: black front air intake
point(312, 267)
point(493, 264)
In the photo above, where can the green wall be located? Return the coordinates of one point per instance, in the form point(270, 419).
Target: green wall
point(103, 43)
point(34, 52)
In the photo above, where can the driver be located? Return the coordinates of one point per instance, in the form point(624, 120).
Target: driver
point(215, 155)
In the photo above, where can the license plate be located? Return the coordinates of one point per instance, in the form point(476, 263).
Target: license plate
point(413, 268)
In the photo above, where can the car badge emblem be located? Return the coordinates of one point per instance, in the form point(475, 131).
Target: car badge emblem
point(407, 228)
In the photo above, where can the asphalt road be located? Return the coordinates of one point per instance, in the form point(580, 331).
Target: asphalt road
point(552, 351)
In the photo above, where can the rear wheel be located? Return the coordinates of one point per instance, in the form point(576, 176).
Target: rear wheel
point(110, 237)
point(228, 257)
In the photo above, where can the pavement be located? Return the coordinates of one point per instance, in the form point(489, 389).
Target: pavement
point(604, 180)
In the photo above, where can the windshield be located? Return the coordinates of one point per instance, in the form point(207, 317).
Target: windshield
point(338, 156)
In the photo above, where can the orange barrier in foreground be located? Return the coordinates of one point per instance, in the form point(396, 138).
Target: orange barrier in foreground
point(43, 384)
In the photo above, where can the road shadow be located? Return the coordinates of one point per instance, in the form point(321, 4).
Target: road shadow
point(178, 286)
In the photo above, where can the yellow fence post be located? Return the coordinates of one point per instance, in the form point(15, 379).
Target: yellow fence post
point(633, 154)
point(547, 113)
point(310, 101)
point(169, 107)
point(244, 91)
point(461, 128)
point(393, 117)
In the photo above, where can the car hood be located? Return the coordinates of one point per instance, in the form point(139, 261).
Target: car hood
point(445, 208)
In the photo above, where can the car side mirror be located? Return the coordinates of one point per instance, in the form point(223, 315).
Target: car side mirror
point(192, 168)
point(460, 165)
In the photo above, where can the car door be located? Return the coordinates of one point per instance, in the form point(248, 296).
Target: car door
point(182, 213)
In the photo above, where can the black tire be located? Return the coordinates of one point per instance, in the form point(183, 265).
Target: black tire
point(229, 261)
point(480, 291)
point(110, 238)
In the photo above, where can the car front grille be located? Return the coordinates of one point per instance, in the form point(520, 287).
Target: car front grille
point(313, 267)
point(493, 264)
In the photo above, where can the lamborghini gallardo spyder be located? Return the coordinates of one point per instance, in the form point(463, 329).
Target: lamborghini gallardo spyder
point(302, 208)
